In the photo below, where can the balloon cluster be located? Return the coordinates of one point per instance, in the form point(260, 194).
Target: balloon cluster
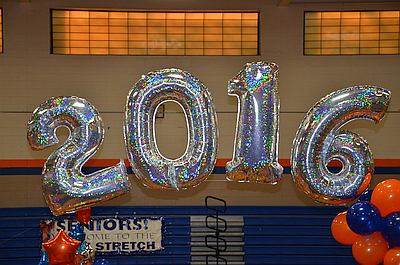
point(372, 225)
point(71, 248)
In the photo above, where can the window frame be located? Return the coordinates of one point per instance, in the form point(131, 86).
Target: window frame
point(355, 54)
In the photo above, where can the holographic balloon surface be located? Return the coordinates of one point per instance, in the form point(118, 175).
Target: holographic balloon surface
point(320, 140)
point(148, 164)
point(65, 188)
point(255, 156)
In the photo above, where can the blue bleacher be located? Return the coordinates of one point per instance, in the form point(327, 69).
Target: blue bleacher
point(272, 235)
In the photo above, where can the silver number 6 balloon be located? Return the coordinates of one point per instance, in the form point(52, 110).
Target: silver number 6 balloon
point(65, 188)
point(320, 140)
point(148, 164)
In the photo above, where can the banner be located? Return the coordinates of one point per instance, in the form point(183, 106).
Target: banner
point(113, 235)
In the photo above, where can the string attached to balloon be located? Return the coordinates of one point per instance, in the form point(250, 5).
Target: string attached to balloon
point(65, 188)
point(148, 164)
point(255, 156)
point(320, 140)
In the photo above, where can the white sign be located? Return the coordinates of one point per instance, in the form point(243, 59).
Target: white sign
point(114, 235)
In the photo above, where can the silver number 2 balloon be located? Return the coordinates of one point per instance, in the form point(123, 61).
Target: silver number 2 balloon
point(255, 157)
point(320, 140)
point(148, 164)
point(65, 188)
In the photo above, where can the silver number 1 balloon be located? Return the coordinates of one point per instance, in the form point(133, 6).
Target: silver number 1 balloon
point(319, 140)
point(255, 157)
point(65, 188)
point(148, 164)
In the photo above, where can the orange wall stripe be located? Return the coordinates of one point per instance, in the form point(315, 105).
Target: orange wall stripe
point(221, 162)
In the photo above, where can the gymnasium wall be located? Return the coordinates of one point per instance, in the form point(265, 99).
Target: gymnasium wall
point(29, 74)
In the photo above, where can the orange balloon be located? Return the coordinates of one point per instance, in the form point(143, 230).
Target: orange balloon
point(83, 216)
point(342, 232)
point(365, 184)
point(61, 249)
point(392, 257)
point(370, 249)
point(386, 196)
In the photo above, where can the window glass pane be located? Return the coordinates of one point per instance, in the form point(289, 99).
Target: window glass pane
point(155, 33)
point(1, 30)
point(351, 32)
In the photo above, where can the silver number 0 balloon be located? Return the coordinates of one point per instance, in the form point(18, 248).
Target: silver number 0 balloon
point(148, 164)
point(255, 157)
point(65, 188)
point(320, 140)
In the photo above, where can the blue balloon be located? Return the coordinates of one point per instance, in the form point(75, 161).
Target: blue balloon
point(44, 259)
point(81, 247)
point(364, 218)
point(77, 232)
point(101, 262)
point(391, 229)
point(365, 196)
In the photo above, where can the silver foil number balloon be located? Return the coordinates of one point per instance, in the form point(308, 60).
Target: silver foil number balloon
point(153, 169)
point(65, 188)
point(255, 156)
point(319, 140)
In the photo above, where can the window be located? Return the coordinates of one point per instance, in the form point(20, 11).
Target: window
point(343, 33)
point(1, 30)
point(154, 33)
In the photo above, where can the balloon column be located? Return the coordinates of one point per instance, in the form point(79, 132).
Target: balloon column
point(65, 188)
point(71, 248)
point(84, 253)
point(373, 227)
